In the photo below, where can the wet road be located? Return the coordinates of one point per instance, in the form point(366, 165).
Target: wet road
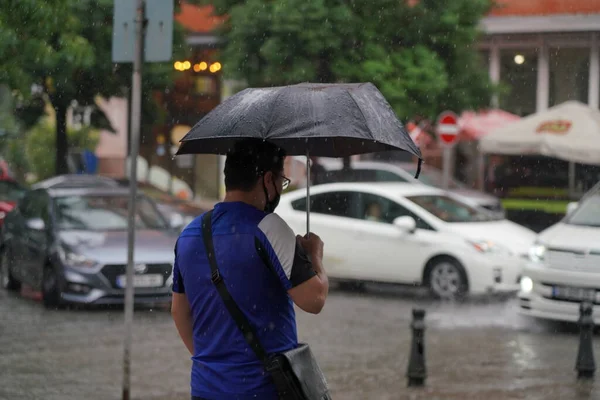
point(476, 350)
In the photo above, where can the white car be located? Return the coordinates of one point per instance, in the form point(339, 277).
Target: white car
point(410, 234)
point(376, 171)
point(564, 267)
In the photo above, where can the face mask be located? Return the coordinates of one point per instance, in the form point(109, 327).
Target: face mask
point(271, 205)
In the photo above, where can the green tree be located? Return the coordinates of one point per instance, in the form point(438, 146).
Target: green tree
point(41, 138)
point(421, 55)
point(66, 51)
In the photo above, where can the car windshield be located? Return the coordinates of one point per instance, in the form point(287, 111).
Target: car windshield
point(588, 213)
point(11, 191)
point(104, 213)
point(450, 210)
point(433, 177)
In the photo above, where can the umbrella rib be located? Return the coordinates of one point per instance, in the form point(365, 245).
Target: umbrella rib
point(271, 123)
point(361, 112)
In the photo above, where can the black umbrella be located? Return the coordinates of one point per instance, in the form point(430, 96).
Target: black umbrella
point(324, 120)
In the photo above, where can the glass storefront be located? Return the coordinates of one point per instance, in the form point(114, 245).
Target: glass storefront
point(518, 74)
point(569, 75)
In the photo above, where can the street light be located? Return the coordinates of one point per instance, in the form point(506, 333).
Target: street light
point(215, 67)
point(519, 59)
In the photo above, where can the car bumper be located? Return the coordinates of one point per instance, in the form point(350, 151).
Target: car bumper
point(539, 302)
point(493, 273)
point(94, 288)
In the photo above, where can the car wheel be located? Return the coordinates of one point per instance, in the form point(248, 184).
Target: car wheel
point(6, 278)
point(51, 293)
point(447, 279)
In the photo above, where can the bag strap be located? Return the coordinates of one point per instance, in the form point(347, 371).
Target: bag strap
point(238, 316)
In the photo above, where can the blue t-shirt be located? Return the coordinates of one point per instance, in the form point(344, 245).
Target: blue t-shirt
point(260, 260)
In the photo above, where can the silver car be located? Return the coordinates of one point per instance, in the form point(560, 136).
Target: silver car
point(375, 171)
point(71, 244)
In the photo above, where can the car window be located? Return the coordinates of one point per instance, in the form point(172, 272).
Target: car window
point(363, 175)
point(588, 212)
point(104, 212)
point(435, 178)
point(381, 209)
point(450, 210)
point(341, 204)
point(388, 176)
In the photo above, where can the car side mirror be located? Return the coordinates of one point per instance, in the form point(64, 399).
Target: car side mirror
point(36, 224)
point(572, 207)
point(406, 224)
point(176, 221)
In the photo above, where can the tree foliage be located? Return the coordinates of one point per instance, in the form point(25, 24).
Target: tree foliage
point(421, 55)
point(63, 48)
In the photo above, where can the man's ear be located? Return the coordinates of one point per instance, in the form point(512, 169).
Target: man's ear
point(268, 178)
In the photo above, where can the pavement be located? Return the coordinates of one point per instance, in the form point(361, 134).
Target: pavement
point(478, 349)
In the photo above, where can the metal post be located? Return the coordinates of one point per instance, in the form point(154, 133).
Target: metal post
point(543, 78)
point(307, 192)
point(417, 372)
point(585, 365)
point(136, 104)
point(594, 78)
point(446, 166)
point(572, 178)
point(494, 70)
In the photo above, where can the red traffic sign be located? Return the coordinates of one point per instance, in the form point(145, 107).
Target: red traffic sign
point(447, 127)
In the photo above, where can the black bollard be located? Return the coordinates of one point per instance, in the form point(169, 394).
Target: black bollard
point(585, 366)
point(416, 364)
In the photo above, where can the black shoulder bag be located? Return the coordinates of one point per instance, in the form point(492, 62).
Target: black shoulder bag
point(295, 373)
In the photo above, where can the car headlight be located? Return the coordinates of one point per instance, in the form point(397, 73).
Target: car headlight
point(537, 253)
point(77, 260)
point(483, 246)
point(526, 284)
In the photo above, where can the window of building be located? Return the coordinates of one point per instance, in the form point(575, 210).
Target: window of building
point(518, 73)
point(569, 75)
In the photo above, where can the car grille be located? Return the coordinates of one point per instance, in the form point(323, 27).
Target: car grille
point(573, 260)
point(112, 271)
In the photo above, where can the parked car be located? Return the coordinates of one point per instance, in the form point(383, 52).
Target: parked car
point(563, 267)
point(410, 234)
point(375, 171)
point(71, 244)
point(10, 192)
point(76, 181)
point(178, 212)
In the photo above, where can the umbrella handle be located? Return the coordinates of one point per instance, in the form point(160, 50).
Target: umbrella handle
point(307, 193)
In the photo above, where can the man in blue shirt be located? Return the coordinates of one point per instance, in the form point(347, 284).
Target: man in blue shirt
point(266, 269)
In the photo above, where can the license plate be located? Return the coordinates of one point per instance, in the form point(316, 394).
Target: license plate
point(144, 281)
point(573, 293)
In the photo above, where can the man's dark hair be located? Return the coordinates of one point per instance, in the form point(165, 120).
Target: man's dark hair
point(249, 160)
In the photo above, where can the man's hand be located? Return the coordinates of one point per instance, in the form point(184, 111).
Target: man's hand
point(310, 296)
point(312, 244)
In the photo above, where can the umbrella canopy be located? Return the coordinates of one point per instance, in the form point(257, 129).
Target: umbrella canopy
point(475, 125)
point(325, 120)
point(569, 131)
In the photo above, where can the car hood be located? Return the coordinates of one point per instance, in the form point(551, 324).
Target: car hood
point(571, 237)
point(476, 196)
point(505, 233)
point(110, 247)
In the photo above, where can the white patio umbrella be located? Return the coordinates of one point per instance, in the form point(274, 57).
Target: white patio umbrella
point(569, 131)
